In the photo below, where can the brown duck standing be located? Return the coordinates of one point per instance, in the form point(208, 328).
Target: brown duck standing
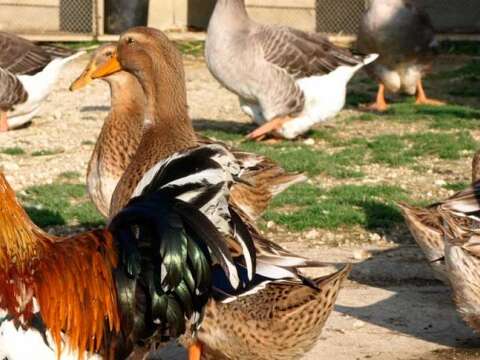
point(121, 131)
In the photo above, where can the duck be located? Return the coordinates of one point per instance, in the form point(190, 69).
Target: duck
point(460, 217)
point(402, 34)
point(259, 328)
point(121, 131)
point(287, 80)
point(427, 228)
point(30, 91)
point(169, 140)
point(262, 179)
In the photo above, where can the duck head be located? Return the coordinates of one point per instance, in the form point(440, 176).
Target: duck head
point(157, 64)
point(100, 57)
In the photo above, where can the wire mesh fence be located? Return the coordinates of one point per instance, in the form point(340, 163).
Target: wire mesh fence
point(339, 16)
point(49, 17)
point(86, 17)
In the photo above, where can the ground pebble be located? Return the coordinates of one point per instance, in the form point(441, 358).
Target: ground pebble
point(361, 254)
point(358, 324)
point(312, 235)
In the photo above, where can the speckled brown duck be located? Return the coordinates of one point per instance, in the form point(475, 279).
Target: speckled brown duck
point(402, 34)
point(460, 216)
point(426, 227)
point(283, 321)
point(202, 171)
point(121, 131)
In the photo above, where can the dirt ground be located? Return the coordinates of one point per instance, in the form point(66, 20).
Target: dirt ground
point(391, 308)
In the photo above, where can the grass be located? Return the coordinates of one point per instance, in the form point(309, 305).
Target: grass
point(79, 45)
point(194, 48)
point(69, 175)
point(370, 206)
point(60, 204)
point(47, 152)
point(13, 151)
point(456, 186)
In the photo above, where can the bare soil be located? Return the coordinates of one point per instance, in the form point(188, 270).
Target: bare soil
point(391, 308)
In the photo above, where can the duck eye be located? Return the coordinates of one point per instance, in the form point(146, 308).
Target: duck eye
point(130, 41)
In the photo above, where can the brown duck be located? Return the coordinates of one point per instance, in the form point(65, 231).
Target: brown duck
point(121, 131)
point(427, 228)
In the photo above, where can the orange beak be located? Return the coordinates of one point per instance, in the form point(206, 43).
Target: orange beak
point(110, 67)
point(84, 79)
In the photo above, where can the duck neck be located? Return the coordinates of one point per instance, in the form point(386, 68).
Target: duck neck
point(166, 107)
point(122, 130)
point(476, 167)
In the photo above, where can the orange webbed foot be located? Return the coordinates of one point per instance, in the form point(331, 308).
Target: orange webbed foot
point(270, 127)
point(3, 122)
point(422, 98)
point(376, 107)
point(431, 102)
point(380, 105)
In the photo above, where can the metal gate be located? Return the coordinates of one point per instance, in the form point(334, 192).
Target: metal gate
point(53, 19)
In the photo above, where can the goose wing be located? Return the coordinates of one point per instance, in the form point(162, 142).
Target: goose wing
point(301, 54)
point(21, 56)
point(12, 91)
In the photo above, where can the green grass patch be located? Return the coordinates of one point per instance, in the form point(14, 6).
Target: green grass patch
point(13, 151)
point(194, 48)
point(355, 98)
point(456, 186)
point(60, 204)
point(468, 70)
point(298, 157)
point(398, 150)
point(222, 135)
point(47, 152)
point(79, 45)
point(448, 146)
point(70, 175)
point(446, 117)
point(369, 206)
point(460, 47)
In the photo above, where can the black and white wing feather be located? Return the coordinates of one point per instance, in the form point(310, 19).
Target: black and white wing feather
point(178, 229)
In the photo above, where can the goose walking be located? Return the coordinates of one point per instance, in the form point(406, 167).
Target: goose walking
point(403, 35)
point(287, 80)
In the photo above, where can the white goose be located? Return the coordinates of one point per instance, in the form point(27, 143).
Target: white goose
point(287, 80)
